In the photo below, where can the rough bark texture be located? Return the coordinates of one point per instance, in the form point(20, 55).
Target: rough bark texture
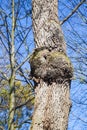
point(51, 107)
point(46, 26)
point(51, 69)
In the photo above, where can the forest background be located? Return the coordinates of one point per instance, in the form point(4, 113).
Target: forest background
point(18, 33)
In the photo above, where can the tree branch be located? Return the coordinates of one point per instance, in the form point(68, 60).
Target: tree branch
point(23, 104)
point(22, 62)
point(4, 75)
point(1, 128)
point(79, 117)
point(73, 11)
point(26, 121)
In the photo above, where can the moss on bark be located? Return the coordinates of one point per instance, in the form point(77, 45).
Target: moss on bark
point(51, 66)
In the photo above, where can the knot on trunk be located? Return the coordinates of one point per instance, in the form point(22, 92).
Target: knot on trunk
point(50, 66)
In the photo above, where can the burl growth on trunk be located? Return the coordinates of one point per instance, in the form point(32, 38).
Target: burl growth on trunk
point(51, 66)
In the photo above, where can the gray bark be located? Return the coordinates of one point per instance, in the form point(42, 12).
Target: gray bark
point(47, 30)
point(50, 68)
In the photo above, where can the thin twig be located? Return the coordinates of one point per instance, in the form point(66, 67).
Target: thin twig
point(73, 11)
point(22, 62)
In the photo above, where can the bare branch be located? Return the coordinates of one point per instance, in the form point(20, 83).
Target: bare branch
point(1, 128)
point(4, 75)
point(79, 117)
point(23, 104)
point(73, 11)
point(26, 121)
point(23, 62)
point(2, 11)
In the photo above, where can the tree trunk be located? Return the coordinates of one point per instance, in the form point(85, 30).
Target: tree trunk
point(51, 69)
point(12, 77)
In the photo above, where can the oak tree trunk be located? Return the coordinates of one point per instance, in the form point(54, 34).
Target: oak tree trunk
point(50, 68)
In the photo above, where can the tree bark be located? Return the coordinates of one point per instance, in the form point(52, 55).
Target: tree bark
point(47, 30)
point(51, 69)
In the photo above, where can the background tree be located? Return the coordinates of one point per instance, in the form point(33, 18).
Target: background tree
point(16, 89)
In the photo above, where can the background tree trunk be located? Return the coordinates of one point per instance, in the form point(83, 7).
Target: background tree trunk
point(51, 69)
point(12, 77)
